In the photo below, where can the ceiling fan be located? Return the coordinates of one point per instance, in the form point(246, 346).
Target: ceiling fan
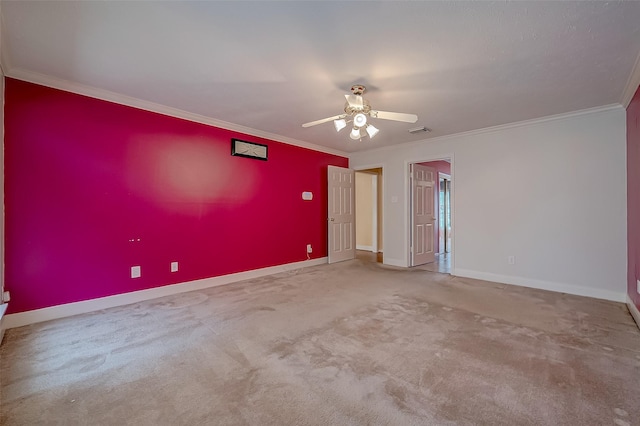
point(356, 111)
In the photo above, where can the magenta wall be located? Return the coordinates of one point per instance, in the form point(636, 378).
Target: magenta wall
point(441, 166)
point(633, 196)
point(84, 177)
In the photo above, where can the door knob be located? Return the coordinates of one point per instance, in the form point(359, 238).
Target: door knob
point(331, 219)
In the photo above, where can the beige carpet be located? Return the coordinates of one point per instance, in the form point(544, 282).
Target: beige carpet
point(348, 344)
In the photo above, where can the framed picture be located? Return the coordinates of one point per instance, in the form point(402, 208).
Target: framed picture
point(249, 149)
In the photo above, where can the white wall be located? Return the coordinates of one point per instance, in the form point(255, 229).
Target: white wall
point(550, 192)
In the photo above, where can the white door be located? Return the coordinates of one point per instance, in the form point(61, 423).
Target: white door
point(423, 215)
point(341, 218)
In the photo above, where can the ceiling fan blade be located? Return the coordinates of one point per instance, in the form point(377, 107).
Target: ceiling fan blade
point(397, 116)
point(355, 101)
point(324, 120)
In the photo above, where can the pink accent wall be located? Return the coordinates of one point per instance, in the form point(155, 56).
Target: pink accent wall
point(441, 166)
point(93, 188)
point(633, 196)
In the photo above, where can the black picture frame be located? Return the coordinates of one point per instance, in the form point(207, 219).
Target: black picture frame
point(257, 151)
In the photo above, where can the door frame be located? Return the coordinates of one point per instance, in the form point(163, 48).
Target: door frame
point(379, 190)
point(447, 177)
point(374, 213)
point(373, 186)
point(407, 205)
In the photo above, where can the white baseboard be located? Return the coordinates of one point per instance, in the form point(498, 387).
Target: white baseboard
point(633, 310)
point(361, 247)
point(3, 309)
point(76, 308)
point(394, 262)
point(543, 285)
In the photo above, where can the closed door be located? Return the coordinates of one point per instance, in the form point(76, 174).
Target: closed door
point(423, 215)
point(341, 214)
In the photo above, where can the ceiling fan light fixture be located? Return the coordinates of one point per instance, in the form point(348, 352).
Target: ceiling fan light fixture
point(340, 124)
point(360, 120)
point(372, 131)
point(356, 110)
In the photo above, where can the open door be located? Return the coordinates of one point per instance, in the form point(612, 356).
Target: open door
point(341, 214)
point(423, 215)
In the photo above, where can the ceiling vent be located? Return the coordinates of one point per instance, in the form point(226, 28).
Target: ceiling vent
point(419, 130)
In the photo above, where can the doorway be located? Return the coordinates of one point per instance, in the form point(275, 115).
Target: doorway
point(369, 213)
point(441, 245)
point(444, 213)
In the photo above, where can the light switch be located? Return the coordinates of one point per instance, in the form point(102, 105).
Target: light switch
point(174, 266)
point(135, 272)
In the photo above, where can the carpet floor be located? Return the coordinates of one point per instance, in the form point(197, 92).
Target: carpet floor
point(354, 343)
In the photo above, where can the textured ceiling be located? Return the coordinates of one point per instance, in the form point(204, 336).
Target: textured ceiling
point(272, 66)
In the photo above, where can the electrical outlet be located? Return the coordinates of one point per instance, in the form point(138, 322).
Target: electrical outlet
point(6, 296)
point(174, 266)
point(638, 286)
point(511, 260)
point(135, 272)
point(309, 249)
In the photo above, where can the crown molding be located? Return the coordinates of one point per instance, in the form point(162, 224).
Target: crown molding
point(632, 84)
point(106, 95)
point(501, 127)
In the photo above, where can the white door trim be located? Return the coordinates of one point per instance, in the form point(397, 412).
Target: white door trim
point(446, 177)
point(374, 207)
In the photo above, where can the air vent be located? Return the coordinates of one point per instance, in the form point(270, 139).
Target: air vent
point(419, 130)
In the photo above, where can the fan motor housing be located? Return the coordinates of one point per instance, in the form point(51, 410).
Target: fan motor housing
point(366, 107)
point(358, 89)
